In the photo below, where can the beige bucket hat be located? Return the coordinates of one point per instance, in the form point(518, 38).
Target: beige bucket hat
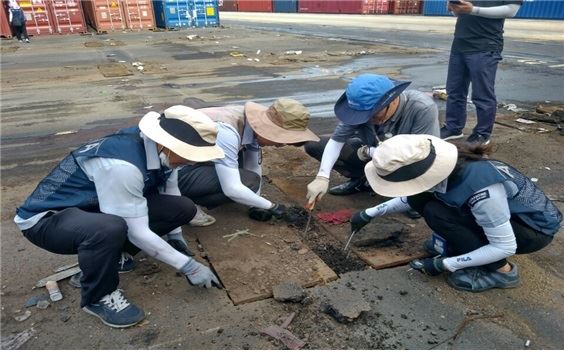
point(285, 121)
point(185, 131)
point(406, 165)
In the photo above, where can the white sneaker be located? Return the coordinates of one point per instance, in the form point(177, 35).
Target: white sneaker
point(201, 219)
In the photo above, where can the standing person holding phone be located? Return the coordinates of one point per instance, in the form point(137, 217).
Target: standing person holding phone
point(475, 54)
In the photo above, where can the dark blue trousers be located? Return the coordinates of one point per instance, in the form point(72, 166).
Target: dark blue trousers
point(99, 239)
point(480, 70)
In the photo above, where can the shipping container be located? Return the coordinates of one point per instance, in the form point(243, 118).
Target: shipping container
point(381, 7)
point(227, 5)
point(39, 20)
point(205, 13)
point(5, 29)
point(254, 5)
point(405, 7)
point(138, 14)
point(435, 8)
point(544, 9)
point(104, 15)
point(172, 13)
point(318, 6)
point(68, 16)
point(288, 6)
point(356, 6)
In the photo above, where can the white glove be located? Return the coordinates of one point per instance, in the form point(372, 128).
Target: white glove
point(316, 189)
point(199, 275)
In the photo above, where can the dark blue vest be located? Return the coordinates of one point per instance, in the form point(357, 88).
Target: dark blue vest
point(68, 186)
point(526, 201)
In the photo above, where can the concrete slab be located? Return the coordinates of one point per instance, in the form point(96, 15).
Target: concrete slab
point(249, 265)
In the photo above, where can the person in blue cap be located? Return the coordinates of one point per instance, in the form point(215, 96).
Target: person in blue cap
point(372, 109)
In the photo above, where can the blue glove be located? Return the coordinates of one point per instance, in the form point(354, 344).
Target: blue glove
point(430, 266)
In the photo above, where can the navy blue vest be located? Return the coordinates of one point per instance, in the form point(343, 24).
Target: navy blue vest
point(526, 201)
point(68, 186)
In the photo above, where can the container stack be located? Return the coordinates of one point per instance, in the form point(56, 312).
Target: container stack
point(176, 14)
point(540, 9)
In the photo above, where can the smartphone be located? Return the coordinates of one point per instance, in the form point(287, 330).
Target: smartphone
point(456, 2)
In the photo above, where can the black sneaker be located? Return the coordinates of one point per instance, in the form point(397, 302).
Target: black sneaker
point(126, 263)
point(115, 311)
point(477, 139)
point(446, 134)
point(477, 279)
point(352, 186)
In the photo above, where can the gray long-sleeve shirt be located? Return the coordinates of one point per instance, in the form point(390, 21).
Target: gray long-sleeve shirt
point(416, 114)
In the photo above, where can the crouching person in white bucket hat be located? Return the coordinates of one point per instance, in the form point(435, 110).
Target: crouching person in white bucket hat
point(480, 210)
point(120, 193)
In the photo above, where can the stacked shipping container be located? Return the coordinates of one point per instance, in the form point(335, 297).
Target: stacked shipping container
point(254, 5)
point(345, 6)
point(186, 13)
point(5, 30)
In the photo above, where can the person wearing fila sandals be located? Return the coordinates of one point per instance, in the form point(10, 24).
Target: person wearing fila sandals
point(243, 131)
point(119, 193)
point(481, 210)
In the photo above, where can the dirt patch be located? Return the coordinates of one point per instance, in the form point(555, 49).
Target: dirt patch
point(322, 244)
point(10, 49)
point(114, 70)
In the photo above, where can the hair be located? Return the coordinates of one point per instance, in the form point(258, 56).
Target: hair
point(468, 153)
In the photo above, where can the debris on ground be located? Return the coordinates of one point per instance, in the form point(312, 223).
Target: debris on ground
point(335, 217)
point(282, 334)
point(35, 299)
point(43, 304)
point(238, 233)
point(66, 267)
point(57, 276)
point(293, 52)
point(15, 341)
point(513, 108)
point(54, 291)
point(236, 54)
point(527, 343)
point(345, 306)
point(524, 121)
point(23, 317)
point(288, 292)
point(387, 233)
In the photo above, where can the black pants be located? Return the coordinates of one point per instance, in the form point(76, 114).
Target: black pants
point(201, 184)
point(20, 32)
point(99, 239)
point(348, 164)
point(463, 234)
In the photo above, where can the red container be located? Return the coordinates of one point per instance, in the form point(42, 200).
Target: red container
point(228, 5)
point(254, 5)
point(104, 15)
point(138, 14)
point(319, 6)
point(39, 20)
point(5, 30)
point(67, 16)
point(356, 6)
point(381, 7)
point(405, 7)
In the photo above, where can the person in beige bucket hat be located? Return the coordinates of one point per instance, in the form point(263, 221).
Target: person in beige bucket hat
point(112, 197)
point(243, 131)
point(480, 210)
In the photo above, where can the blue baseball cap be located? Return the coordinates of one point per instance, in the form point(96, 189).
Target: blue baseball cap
point(366, 95)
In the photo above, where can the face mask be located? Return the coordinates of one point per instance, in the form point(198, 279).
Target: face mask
point(164, 159)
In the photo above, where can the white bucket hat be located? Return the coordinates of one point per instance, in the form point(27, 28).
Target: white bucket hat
point(406, 165)
point(185, 131)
